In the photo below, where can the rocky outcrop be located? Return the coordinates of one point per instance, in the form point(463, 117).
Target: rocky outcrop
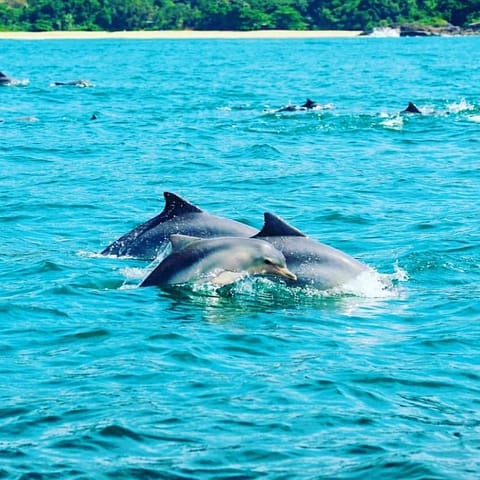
point(414, 30)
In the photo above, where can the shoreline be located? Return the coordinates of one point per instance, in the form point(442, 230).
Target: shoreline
point(179, 34)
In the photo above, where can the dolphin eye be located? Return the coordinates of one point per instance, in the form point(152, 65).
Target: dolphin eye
point(267, 262)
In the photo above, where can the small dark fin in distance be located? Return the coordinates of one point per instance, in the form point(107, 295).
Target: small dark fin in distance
point(309, 104)
point(2, 75)
point(274, 226)
point(411, 108)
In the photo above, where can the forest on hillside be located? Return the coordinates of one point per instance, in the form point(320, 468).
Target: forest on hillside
point(114, 15)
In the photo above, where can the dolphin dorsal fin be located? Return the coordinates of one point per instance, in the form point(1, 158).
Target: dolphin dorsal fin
point(274, 226)
point(412, 108)
point(179, 241)
point(175, 206)
point(2, 75)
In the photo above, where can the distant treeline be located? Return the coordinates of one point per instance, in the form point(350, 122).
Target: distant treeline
point(112, 15)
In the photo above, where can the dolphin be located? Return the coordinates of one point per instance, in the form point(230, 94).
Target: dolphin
point(149, 239)
point(221, 260)
point(411, 108)
point(75, 83)
point(314, 264)
point(308, 105)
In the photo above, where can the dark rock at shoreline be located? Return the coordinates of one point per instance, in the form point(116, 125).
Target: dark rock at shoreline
point(413, 30)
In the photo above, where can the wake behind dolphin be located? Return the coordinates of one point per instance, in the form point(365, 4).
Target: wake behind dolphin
point(316, 265)
point(149, 239)
point(221, 261)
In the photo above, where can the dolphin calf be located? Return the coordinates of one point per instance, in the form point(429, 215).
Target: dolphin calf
point(314, 264)
point(149, 239)
point(220, 260)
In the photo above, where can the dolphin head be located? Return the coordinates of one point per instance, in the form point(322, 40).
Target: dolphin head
point(269, 261)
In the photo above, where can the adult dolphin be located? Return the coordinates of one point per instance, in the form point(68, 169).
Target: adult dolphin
point(221, 261)
point(147, 240)
point(315, 264)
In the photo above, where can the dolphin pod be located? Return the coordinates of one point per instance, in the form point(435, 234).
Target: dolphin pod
point(220, 260)
point(223, 251)
point(149, 239)
point(315, 264)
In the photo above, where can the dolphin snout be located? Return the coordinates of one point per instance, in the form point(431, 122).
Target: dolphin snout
point(285, 272)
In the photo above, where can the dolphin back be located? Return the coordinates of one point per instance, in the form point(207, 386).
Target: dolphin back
point(175, 206)
point(315, 264)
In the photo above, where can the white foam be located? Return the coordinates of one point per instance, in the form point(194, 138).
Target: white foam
point(385, 32)
point(17, 83)
point(460, 106)
point(133, 273)
point(474, 118)
point(395, 123)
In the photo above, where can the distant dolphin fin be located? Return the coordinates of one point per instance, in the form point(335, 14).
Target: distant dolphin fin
point(309, 103)
point(179, 241)
point(2, 75)
point(411, 108)
point(274, 226)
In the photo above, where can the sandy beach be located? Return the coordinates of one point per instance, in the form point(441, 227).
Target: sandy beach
point(178, 34)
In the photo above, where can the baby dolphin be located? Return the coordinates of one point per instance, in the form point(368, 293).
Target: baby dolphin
point(315, 264)
point(147, 240)
point(221, 261)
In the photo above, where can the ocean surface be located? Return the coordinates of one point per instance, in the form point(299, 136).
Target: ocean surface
point(104, 380)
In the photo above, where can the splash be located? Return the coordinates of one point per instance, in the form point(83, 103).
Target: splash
point(372, 284)
point(395, 123)
point(460, 106)
point(385, 32)
point(17, 83)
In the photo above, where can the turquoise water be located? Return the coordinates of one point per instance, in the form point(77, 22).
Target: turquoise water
point(101, 379)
